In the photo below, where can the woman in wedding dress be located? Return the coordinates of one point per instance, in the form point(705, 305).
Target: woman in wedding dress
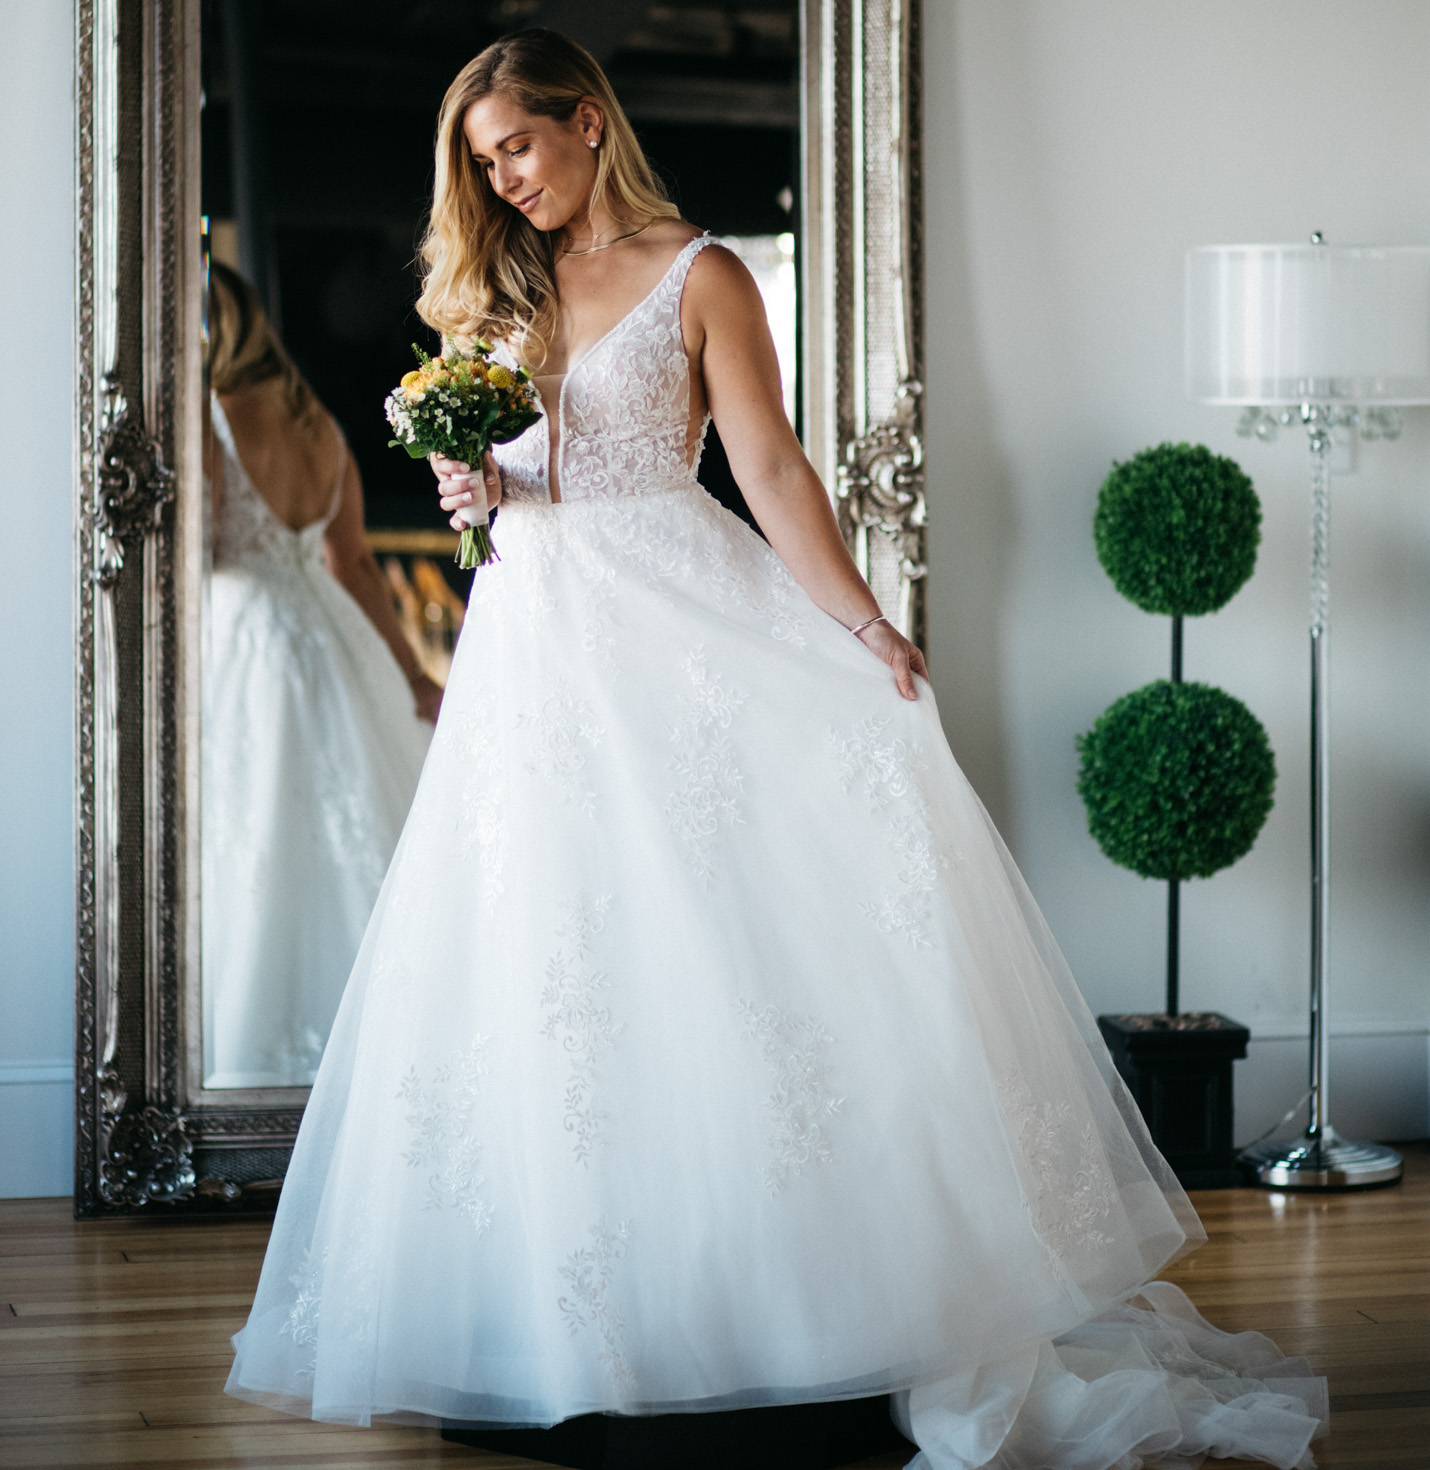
point(316, 713)
point(706, 1049)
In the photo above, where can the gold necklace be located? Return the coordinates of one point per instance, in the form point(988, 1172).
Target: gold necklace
point(575, 254)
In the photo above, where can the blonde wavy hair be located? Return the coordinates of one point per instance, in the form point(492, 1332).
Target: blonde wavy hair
point(244, 350)
point(489, 272)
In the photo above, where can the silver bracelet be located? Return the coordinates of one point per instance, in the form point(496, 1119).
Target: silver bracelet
point(880, 619)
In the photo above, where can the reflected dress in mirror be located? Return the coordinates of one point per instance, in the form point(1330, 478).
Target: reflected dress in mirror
point(312, 740)
point(311, 753)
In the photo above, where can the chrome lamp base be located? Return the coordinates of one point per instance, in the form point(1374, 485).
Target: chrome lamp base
point(1326, 1161)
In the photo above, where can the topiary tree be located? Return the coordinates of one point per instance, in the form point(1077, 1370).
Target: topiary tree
point(1176, 528)
point(1177, 778)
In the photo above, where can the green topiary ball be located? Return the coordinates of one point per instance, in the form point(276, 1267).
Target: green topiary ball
point(1177, 528)
point(1177, 780)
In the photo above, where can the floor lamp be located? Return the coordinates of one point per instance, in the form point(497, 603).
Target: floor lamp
point(1327, 337)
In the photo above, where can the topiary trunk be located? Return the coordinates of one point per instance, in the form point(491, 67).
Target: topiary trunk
point(1174, 887)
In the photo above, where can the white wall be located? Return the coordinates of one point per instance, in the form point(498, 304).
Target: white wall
point(36, 651)
point(1075, 149)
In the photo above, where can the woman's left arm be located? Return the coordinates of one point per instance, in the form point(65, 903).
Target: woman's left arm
point(723, 317)
point(351, 561)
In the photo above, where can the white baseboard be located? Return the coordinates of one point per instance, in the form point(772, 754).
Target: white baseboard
point(36, 1129)
point(1379, 1079)
point(1290, 1028)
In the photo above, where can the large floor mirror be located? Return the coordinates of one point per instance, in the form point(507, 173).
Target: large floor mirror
point(284, 150)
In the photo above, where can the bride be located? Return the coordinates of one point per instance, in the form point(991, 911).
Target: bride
point(705, 1048)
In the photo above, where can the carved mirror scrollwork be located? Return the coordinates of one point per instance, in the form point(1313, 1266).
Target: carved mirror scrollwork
point(149, 1135)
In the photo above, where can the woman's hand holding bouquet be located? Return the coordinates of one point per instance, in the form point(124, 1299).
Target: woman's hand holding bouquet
point(457, 406)
point(459, 485)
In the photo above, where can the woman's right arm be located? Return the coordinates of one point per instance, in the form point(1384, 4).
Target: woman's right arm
point(353, 564)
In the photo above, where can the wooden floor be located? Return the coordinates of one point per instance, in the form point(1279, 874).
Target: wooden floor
point(114, 1336)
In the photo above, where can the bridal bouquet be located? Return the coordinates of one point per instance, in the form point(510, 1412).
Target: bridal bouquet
point(459, 405)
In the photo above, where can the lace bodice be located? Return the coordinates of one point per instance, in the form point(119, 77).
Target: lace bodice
point(623, 410)
point(246, 530)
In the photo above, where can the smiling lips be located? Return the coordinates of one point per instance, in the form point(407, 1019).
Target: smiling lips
point(525, 204)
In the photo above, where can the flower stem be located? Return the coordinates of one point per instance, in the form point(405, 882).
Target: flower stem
point(475, 549)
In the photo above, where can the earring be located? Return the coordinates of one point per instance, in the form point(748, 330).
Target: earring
point(593, 143)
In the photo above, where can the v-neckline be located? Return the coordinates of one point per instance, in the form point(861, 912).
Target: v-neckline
point(572, 367)
point(620, 322)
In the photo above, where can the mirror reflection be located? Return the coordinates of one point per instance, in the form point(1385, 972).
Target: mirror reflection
point(332, 604)
point(316, 715)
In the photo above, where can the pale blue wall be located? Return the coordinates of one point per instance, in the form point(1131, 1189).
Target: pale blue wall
point(36, 616)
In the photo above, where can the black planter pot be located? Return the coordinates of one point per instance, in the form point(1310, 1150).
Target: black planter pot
point(780, 1437)
point(1179, 1070)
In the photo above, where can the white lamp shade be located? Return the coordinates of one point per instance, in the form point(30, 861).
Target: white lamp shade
point(1269, 324)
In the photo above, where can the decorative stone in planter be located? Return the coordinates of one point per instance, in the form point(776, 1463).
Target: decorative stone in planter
point(1178, 1068)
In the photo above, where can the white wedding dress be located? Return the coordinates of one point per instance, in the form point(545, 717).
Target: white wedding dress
point(707, 1050)
point(311, 754)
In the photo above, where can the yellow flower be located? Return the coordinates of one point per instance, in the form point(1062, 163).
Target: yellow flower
point(410, 380)
point(499, 377)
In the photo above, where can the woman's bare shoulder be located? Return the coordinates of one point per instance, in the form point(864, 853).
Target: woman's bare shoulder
point(672, 234)
point(719, 262)
point(266, 431)
point(720, 280)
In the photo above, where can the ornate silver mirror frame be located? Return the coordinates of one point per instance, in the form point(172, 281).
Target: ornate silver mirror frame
point(863, 286)
point(146, 1133)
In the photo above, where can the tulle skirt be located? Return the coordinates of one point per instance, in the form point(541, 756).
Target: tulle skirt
point(311, 754)
point(705, 1048)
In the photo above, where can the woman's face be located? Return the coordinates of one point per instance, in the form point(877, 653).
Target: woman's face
point(539, 166)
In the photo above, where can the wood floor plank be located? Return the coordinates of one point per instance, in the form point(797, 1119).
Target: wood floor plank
point(114, 1334)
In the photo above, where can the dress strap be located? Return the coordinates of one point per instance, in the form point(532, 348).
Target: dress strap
point(222, 430)
point(343, 452)
point(680, 267)
point(671, 290)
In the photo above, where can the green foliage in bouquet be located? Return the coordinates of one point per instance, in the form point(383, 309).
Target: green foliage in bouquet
point(1177, 780)
point(459, 405)
point(1177, 528)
